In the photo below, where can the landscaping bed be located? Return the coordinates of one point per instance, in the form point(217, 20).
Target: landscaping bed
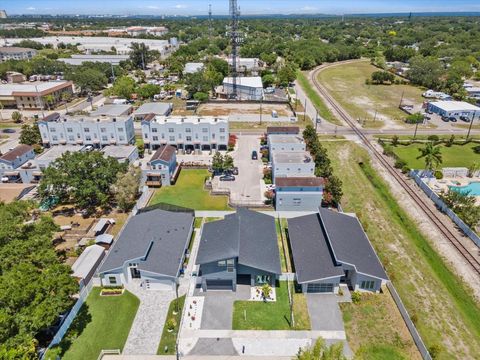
point(171, 328)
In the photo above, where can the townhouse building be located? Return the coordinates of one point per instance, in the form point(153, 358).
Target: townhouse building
point(86, 130)
point(185, 133)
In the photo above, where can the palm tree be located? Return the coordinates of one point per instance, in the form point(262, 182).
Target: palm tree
point(66, 96)
point(432, 155)
point(49, 99)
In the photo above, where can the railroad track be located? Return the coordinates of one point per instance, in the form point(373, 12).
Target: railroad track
point(431, 213)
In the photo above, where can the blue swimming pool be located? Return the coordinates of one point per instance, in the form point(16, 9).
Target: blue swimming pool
point(473, 188)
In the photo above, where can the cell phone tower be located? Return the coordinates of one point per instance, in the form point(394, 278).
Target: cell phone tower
point(210, 22)
point(235, 41)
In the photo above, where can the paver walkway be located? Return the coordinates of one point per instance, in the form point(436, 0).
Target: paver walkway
point(146, 331)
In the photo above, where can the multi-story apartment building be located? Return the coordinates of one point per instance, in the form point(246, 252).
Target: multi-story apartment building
point(16, 53)
point(190, 132)
point(84, 130)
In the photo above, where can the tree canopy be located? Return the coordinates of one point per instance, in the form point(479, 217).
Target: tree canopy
point(82, 178)
point(35, 288)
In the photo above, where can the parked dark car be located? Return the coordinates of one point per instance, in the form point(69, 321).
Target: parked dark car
point(227, 178)
point(235, 171)
point(445, 118)
point(254, 155)
point(8, 131)
point(452, 119)
point(464, 118)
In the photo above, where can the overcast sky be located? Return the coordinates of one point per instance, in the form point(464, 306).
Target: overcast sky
point(220, 7)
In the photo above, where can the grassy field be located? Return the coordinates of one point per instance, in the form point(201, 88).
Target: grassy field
point(346, 83)
point(272, 315)
point(103, 323)
point(317, 101)
point(442, 307)
point(453, 156)
point(188, 192)
point(169, 339)
point(375, 329)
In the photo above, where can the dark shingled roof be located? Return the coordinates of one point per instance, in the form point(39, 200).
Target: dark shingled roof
point(249, 235)
point(283, 130)
point(311, 254)
point(299, 181)
point(52, 117)
point(161, 236)
point(164, 152)
point(19, 150)
point(350, 243)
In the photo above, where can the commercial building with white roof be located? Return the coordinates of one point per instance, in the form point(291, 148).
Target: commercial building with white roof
point(188, 132)
point(455, 109)
point(191, 68)
point(79, 59)
point(248, 88)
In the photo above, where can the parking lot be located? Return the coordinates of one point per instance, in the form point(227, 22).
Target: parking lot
point(248, 187)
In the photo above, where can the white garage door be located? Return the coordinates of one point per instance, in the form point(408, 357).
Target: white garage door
point(320, 288)
point(158, 284)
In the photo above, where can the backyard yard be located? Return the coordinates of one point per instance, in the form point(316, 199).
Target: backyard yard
point(346, 83)
point(376, 330)
point(440, 304)
point(189, 192)
point(257, 315)
point(102, 323)
point(453, 156)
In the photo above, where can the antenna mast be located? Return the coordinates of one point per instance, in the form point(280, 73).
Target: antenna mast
point(210, 22)
point(235, 40)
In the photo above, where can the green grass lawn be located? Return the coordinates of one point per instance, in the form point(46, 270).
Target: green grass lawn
point(443, 308)
point(346, 83)
point(375, 329)
point(454, 156)
point(317, 101)
point(103, 323)
point(272, 315)
point(188, 192)
point(169, 339)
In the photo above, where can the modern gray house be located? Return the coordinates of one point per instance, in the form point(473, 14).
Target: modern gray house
point(240, 249)
point(330, 248)
point(298, 193)
point(151, 250)
point(159, 171)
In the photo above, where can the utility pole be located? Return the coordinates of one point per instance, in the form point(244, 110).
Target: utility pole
point(415, 133)
point(316, 121)
point(375, 116)
point(210, 22)
point(261, 103)
point(401, 99)
point(471, 124)
point(113, 73)
point(143, 61)
point(305, 110)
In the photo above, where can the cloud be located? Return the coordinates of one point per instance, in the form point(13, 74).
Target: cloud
point(30, 8)
point(153, 7)
point(308, 8)
point(180, 6)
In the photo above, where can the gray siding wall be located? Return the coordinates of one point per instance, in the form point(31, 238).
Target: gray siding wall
point(247, 270)
point(212, 271)
point(356, 281)
point(298, 201)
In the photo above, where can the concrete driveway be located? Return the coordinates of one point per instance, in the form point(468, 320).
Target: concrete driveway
point(218, 307)
point(247, 187)
point(325, 314)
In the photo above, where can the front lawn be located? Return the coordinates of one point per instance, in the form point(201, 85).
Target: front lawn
point(169, 339)
point(272, 315)
point(188, 192)
point(376, 330)
point(102, 323)
point(453, 156)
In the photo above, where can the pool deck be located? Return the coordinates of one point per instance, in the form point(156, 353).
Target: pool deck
point(444, 184)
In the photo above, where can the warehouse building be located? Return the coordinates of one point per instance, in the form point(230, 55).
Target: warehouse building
point(455, 109)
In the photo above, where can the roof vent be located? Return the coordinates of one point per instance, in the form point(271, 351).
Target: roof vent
point(114, 119)
point(98, 120)
point(198, 119)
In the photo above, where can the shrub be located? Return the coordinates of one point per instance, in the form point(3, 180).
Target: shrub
point(434, 138)
point(356, 297)
point(435, 351)
point(400, 164)
point(476, 149)
point(171, 323)
point(450, 141)
point(395, 140)
point(406, 169)
point(438, 175)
